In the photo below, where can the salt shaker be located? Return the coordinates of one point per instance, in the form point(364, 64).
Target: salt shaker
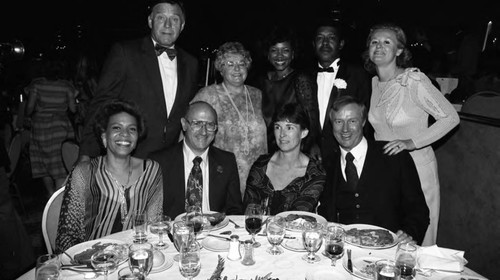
point(248, 257)
point(234, 248)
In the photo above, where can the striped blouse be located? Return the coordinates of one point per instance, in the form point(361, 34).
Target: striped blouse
point(92, 202)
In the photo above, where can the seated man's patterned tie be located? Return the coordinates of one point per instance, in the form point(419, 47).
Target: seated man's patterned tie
point(194, 192)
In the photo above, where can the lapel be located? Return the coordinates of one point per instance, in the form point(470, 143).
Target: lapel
point(177, 180)
point(152, 70)
point(215, 177)
point(367, 166)
point(181, 77)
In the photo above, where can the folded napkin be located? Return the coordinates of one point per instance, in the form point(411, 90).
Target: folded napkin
point(444, 259)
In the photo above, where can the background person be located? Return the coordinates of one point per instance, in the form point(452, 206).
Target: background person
point(241, 126)
point(402, 101)
point(101, 194)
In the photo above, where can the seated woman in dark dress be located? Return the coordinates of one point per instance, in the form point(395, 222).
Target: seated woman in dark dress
point(287, 179)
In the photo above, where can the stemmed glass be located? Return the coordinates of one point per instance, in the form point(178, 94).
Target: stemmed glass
point(275, 235)
point(160, 226)
point(253, 221)
point(312, 237)
point(194, 218)
point(105, 261)
point(406, 260)
point(140, 224)
point(140, 258)
point(183, 234)
point(334, 243)
point(189, 262)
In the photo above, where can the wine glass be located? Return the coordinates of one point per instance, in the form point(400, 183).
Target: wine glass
point(194, 218)
point(140, 258)
point(312, 236)
point(160, 226)
point(140, 224)
point(253, 221)
point(183, 234)
point(334, 243)
point(189, 262)
point(406, 260)
point(275, 235)
point(48, 267)
point(105, 261)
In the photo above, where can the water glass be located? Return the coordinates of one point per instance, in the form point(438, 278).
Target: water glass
point(386, 270)
point(48, 267)
point(140, 258)
point(160, 226)
point(312, 236)
point(275, 234)
point(190, 262)
point(334, 242)
point(140, 224)
point(105, 261)
point(183, 234)
point(406, 260)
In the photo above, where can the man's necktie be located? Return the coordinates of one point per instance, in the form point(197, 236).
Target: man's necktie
point(195, 184)
point(328, 69)
point(350, 171)
point(170, 52)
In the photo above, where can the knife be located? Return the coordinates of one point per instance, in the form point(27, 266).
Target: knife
point(349, 262)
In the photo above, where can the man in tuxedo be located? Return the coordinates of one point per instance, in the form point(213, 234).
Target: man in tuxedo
point(153, 72)
point(334, 77)
point(366, 186)
point(220, 186)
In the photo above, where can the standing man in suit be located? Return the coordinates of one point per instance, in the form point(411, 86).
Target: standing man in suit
point(334, 77)
point(366, 186)
point(220, 187)
point(153, 72)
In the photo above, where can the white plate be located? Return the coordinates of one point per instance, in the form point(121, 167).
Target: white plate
point(167, 263)
point(215, 244)
point(325, 274)
point(459, 277)
point(295, 245)
point(285, 214)
point(78, 248)
point(365, 226)
point(207, 226)
point(359, 265)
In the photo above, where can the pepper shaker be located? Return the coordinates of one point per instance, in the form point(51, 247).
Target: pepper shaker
point(248, 257)
point(234, 248)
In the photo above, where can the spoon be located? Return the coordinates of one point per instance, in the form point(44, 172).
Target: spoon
point(235, 224)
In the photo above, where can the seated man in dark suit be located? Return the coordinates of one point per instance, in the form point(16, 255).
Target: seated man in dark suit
point(218, 186)
point(371, 187)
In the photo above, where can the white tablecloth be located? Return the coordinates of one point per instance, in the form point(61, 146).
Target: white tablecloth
point(288, 265)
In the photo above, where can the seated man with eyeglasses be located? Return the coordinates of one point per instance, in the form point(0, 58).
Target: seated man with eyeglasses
point(195, 172)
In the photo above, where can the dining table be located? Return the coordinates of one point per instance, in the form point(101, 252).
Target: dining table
point(288, 265)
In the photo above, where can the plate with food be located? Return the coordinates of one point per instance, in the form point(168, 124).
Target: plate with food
point(295, 245)
point(369, 236)
point(211, 220)
point(295, 219)
point(82, 252)
point(363, 267)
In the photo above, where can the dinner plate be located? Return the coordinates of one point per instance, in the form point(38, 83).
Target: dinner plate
point(215, 244)
point(325, 274)
point(167, 263)
point(354, 241)
point(360, 265)
point(461, 277)
point(295, 245)
point(207, 225)
point(78, 248)
point(297, 226)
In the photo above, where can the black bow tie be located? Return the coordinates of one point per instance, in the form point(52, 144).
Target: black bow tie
point(329, 69)
point(170, 52)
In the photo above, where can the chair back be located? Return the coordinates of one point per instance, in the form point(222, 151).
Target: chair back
point(14, 152)
point(483, 103)
point(70, 150)
point(50, 219)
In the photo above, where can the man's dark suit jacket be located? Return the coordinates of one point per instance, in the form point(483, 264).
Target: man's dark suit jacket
point(389, 189)
point(131, 71)
point(224, 183)
point(358, 85)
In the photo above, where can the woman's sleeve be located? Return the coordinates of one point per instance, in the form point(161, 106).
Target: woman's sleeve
point(310, 192)
point(71, 228)
point(155, 206)
point(433, 102)
point(252, 190)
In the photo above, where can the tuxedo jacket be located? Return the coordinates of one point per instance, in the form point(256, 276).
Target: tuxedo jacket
point(224, 182)
point(358, 85)
point(388, 194)
point(132, 72)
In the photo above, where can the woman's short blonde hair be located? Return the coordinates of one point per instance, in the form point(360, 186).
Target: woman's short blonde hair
point(231, 48)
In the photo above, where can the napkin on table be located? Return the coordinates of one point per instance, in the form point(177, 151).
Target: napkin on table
point(434, 257)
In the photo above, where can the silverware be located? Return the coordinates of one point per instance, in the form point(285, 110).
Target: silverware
point(220, 237)
point(285, 237)
point(349, 262)
point(235, 224)
point(70, 257)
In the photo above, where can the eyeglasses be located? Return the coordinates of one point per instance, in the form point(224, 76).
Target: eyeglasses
point(197, 125)
point(233, 64)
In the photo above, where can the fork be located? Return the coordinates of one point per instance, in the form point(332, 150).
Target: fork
point(235, 224)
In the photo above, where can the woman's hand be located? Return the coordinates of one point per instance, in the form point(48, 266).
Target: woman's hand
point(403, 237)
point(396, 146)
